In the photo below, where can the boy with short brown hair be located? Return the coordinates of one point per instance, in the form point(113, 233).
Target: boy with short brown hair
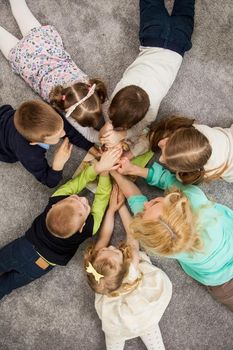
point(26, 134)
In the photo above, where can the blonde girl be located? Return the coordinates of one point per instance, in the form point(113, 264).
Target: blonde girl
point(131, 293)
point(183, 225)
point(41, 60)
point(193, 151)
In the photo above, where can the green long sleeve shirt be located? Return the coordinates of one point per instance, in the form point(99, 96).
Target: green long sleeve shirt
point(102, 195)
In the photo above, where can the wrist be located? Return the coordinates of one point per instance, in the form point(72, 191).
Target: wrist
point(139, 171)
point(57, 166)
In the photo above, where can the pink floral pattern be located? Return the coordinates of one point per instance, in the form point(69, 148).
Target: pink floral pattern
point(41, 60)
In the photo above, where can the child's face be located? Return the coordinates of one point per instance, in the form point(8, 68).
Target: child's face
point(153, 209)
point(55, 138)
point(111, 253)
point(81, 207)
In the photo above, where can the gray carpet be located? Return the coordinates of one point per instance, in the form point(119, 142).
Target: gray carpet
point(57, 311)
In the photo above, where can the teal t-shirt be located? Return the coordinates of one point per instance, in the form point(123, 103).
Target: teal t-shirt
point(213, 264)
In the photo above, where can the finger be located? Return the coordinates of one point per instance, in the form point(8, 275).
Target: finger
point(115, 167)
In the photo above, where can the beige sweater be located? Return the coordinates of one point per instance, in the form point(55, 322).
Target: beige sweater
point(221, 141)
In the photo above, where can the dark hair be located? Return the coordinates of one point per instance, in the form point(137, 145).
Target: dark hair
point(128, 106)
point(187, 149)
point(89, 112)
point(35, 120)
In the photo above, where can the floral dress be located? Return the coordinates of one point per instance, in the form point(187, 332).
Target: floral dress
point(41, 60)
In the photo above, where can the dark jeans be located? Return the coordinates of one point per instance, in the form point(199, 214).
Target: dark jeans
point(159, 29)
point(17, 265)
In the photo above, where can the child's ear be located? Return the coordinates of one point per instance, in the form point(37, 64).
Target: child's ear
point(81, 228)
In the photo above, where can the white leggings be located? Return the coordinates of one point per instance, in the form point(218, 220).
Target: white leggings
point(26, 21)
point(152, 339)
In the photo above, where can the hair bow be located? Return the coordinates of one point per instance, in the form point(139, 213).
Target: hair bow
point(92, 270)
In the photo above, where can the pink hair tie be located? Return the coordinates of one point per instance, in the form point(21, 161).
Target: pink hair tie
point(63, 97)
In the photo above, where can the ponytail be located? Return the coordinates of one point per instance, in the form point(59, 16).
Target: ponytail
point(166, 127)
point(192, 177)
point(57, 97)
point(100, 89)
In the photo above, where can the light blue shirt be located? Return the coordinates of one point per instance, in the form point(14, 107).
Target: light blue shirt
point(213, 264)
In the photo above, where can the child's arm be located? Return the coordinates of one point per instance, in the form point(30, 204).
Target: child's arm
point(101, 200)
point(75, 137)
point(89, 133)
point(133, 194)
point(126, 186)
point(108, 223)
point(73, 186)
point(126, 219)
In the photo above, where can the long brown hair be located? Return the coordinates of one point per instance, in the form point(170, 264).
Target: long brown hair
point(187, 150)
point(112, 282)
point(174, 231)
point(89, 112)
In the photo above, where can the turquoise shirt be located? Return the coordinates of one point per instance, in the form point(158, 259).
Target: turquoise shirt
point(213, 264)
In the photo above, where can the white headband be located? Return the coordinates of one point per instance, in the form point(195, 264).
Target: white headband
point(72, 108)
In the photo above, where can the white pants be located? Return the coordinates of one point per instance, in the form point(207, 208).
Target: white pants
point(152, 339)
point(26, 21)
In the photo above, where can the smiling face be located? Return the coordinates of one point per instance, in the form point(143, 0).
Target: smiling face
point(153, 209)
point(111, 253)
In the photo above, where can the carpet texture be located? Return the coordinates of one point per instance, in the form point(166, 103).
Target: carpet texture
point(57, 311)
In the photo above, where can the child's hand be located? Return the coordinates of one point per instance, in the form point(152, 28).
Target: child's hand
point(112, 138)
point(95, 152)
point(107, 127)
point(108, 160)
point(126, 167)
point(116, 200)
point(62, 154)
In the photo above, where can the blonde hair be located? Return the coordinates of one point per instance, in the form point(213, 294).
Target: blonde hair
point(112, 282)
point(62, 221)
point(174, 231)
point(187, 149)
point(35, 120)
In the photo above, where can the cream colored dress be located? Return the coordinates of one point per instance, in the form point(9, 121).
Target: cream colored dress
point(135, 312)
point(221, 141)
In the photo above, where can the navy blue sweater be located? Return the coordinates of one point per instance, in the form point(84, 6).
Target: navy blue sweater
point(14, 147)
point(54, 249)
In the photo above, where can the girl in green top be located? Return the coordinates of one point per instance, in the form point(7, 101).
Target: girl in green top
point(184, 225)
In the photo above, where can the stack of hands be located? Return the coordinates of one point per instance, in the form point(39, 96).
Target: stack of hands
point(110, 154)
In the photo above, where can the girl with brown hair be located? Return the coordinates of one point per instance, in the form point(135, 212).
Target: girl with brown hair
point(131, 293)
point(41, 60)
point(184, 225)
point(193, 151)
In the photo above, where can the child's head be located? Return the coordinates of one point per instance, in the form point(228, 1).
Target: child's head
point(68, 216)
point(167, 225)
point(185, 150)
point(37, 122)
point(89, 111)
point(128, 107)
point(107, 267)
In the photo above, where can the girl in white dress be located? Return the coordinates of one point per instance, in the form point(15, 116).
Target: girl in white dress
point(131, 293)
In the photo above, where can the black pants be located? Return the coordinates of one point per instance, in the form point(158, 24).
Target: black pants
point(159, 29)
